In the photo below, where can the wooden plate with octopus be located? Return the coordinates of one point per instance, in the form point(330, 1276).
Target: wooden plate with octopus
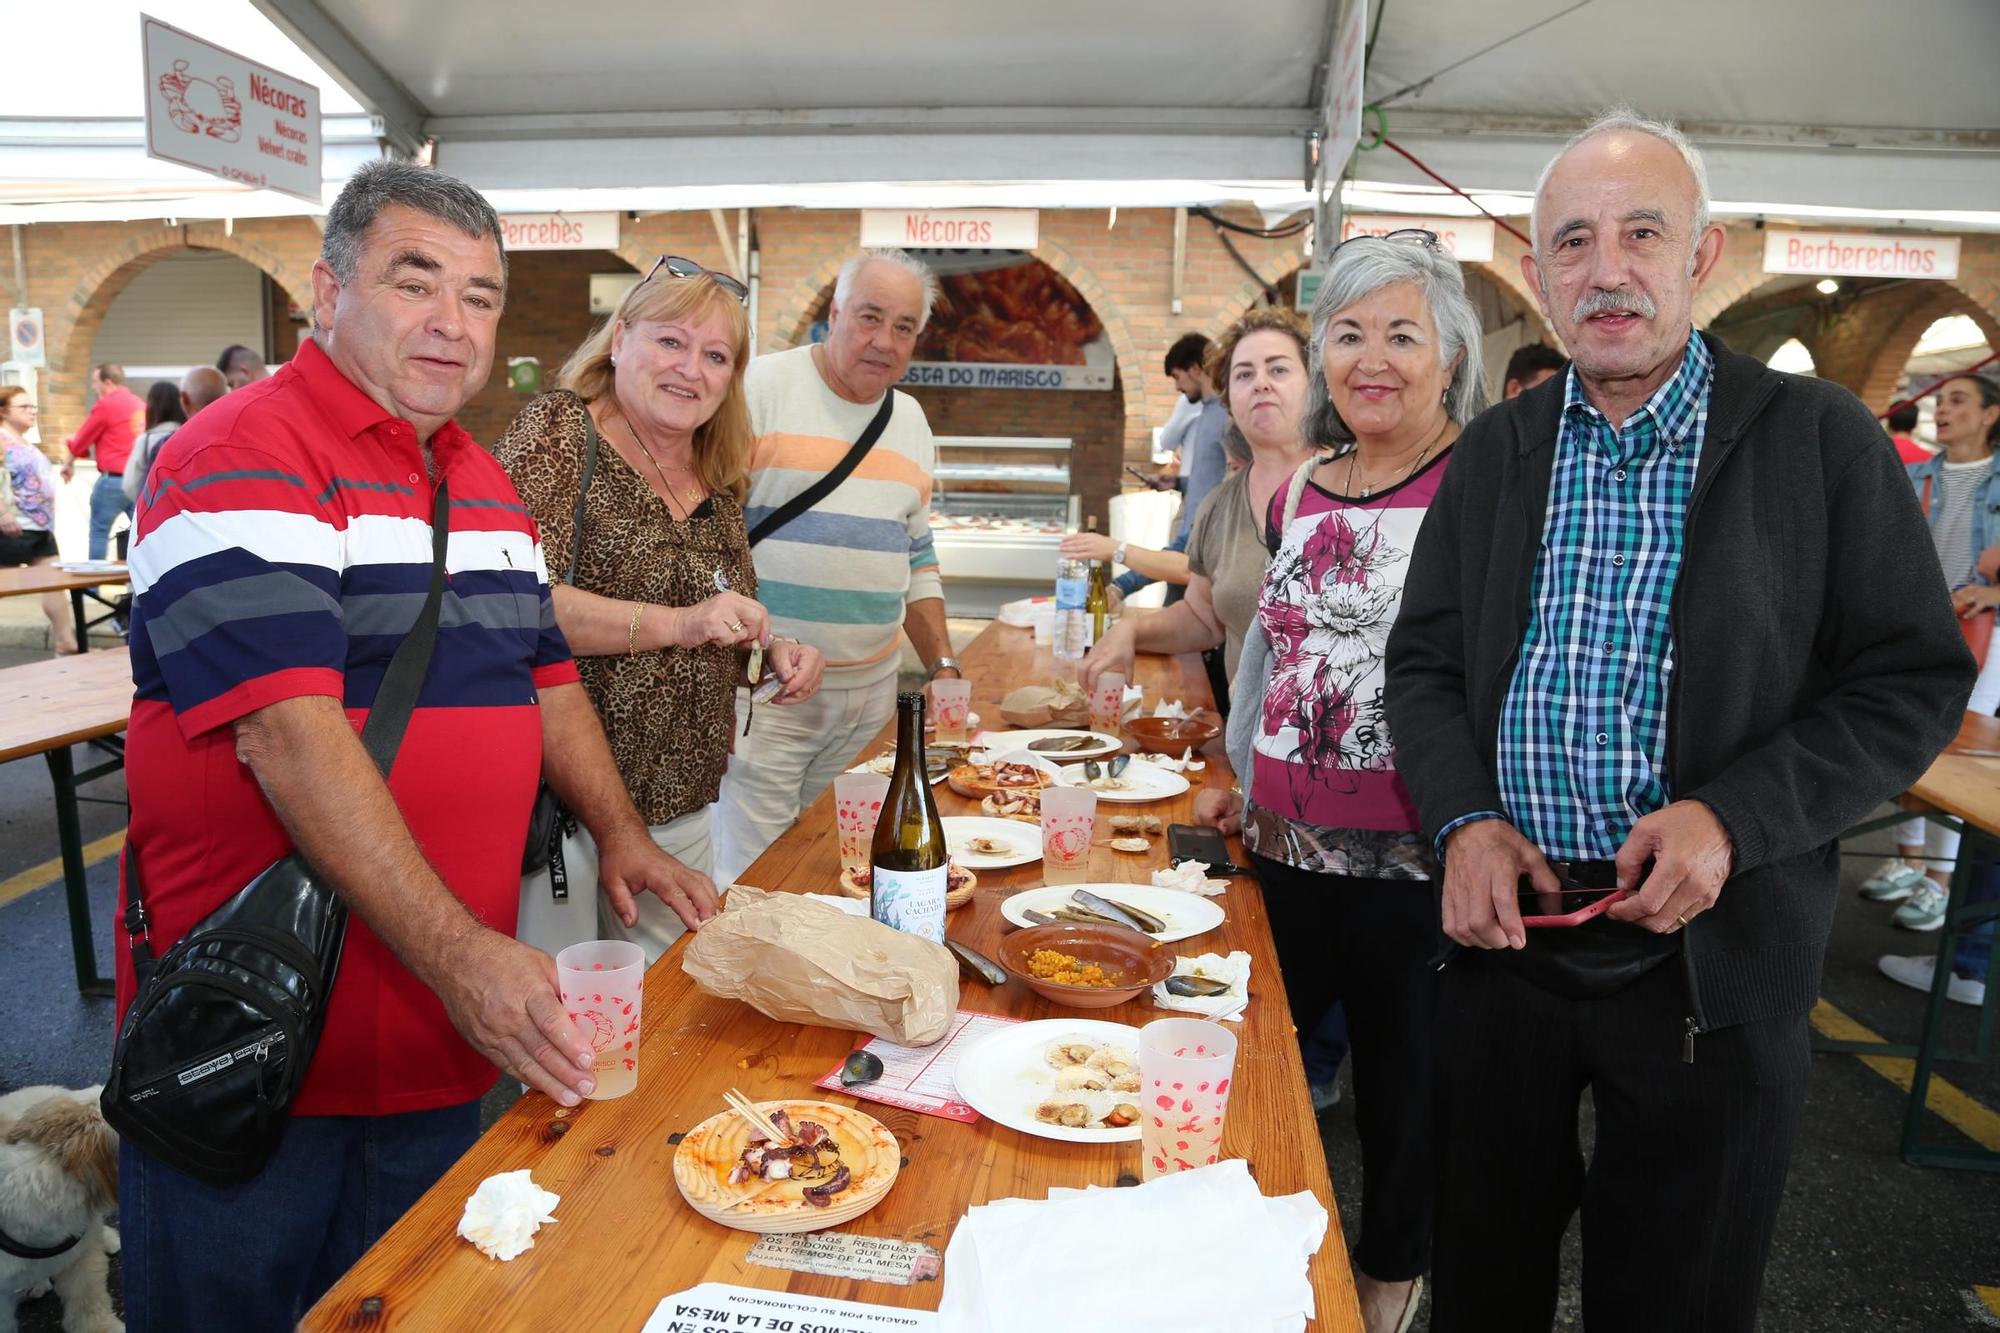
point(837, 1165)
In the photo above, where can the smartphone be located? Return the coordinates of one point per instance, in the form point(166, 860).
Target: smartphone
point(1196, 842)
point(1143, 478)
point(1565, 907)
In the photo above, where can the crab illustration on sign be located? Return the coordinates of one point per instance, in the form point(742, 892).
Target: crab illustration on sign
point(202, 106)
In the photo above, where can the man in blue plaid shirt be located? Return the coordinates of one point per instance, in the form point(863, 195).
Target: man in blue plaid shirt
point(1661, 642)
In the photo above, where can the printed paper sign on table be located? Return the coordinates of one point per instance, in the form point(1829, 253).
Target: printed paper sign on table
point(218, 112)
point(718, 1307)
point(920, 1078)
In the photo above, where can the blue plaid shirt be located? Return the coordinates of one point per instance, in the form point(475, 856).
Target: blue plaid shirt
point(1583, 731)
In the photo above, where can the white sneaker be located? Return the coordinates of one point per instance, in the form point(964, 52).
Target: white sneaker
point(1895, 880)
point(1916, 973)
point(1925, 909)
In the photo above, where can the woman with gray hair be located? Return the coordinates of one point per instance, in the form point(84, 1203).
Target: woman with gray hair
point(1332, 831)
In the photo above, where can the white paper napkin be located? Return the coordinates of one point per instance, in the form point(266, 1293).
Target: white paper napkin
point(1197, 1250)
point(504, 1213)
point(1225, 1008)
point(1190, 877)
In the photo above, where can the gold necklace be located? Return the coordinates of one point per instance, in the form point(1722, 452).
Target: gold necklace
point(1354, 456)
point(693, 496)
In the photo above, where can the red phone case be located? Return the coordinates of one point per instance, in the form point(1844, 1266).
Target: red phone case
point(1581, 914)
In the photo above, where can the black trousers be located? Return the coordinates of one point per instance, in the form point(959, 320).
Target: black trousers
point(1365, 943)
point(1681, 1193)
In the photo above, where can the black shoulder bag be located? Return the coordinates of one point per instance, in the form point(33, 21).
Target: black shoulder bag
point(223, 1028)
point(548, 821)
point(824, 487)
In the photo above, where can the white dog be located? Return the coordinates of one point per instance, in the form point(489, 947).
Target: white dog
point(58, 1177)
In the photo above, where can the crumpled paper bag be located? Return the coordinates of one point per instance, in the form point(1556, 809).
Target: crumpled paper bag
point(800, 961)
point(1062, 704)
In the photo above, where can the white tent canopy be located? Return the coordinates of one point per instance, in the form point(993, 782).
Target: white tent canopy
point(1805, 108)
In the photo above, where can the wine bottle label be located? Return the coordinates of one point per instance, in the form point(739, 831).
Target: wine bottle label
point(1070, 594)
point(911, 900)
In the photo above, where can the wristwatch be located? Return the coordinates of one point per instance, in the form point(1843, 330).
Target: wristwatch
point(941, 664)
point(1118, 554)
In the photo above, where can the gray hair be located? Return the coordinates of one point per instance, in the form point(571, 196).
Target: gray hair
point(425, 189)
point(843, 285)
point(1623, 119)
point(1365, 266)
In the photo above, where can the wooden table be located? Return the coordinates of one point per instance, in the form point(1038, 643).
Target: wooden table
point(624, 1238)
point(48, 578)
point(46, 707)
point(1961, 790)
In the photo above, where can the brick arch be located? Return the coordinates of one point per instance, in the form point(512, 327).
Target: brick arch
point(791, 323)
point(1885, 370)
point(75, 325)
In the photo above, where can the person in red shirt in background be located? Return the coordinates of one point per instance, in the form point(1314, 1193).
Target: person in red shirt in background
point(1901, 422)
point(114, 422)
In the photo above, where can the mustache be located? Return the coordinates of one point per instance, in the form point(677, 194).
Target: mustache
point(1616, 301)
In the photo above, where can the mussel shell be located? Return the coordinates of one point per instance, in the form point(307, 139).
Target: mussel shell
point(860, 1067)
point(1196, 987)
point(977, 963)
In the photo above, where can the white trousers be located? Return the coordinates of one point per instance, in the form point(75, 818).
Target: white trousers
point(586, 914)
point(791, 755)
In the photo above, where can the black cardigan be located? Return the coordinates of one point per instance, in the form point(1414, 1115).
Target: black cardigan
point(1819, 670)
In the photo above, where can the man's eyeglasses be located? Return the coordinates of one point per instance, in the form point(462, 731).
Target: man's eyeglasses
point(681, 267)
point(1401, 236)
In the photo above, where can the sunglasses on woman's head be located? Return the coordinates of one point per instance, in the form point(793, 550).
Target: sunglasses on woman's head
point(682, 267)
point(1401, 236)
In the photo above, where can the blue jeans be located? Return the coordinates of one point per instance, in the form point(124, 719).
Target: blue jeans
point(256, 1256)
point(1326, 1049)
point(107, 502)
point(1974, 954)
point(1132, 580)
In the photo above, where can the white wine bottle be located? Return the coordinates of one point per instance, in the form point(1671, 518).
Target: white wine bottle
point(909, 856)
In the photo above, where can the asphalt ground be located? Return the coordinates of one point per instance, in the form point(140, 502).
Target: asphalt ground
point(1865, 1241)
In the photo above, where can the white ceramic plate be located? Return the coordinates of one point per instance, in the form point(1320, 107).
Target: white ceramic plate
point(1147, 782)
point(887, 762)
point(998, 741)
point(1186, 914)
point(1007, 1075)
point(1024, 839)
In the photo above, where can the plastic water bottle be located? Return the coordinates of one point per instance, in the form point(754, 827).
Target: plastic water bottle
point(1072, 629)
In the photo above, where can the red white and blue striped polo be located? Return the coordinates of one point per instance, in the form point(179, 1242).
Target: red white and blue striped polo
point(284, 549)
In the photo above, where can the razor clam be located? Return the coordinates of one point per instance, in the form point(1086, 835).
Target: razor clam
point(1143, 922)
point(1084, 918)
point(977, 963)
point(1196, 987)
point(1037, 918)
point(1062, 744)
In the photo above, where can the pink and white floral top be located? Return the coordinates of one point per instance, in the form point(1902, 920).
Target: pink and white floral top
point(1324, 795)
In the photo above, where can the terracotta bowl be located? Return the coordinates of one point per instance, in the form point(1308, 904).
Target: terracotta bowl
point(1171, 735)
point(1136, 958)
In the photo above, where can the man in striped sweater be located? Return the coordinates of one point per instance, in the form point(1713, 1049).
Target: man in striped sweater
point(852, 571)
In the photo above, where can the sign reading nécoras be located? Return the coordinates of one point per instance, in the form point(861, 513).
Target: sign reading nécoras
point(952, 228)
point(218, 112)
point(1854, 255)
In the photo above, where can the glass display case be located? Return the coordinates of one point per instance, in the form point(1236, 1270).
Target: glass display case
point(999, 508)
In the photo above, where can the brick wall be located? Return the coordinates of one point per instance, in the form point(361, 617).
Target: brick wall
point(547, 315)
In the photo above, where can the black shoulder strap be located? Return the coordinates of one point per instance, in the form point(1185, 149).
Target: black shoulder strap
point(824, 487)
point(388, 719)
point(582, 494)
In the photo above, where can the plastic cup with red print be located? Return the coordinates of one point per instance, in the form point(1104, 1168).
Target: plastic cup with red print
point(1107, 703)
point(602, 984)
point(952, 700)
point(1069, 814)
point(1184, 1075)
point(857, 805)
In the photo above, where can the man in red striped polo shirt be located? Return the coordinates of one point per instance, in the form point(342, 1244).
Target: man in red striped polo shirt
point(282, 555)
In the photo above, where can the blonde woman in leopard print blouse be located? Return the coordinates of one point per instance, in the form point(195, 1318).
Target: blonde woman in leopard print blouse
point(660, 639)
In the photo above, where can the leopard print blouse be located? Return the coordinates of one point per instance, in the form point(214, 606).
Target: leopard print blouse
point(669, 714)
